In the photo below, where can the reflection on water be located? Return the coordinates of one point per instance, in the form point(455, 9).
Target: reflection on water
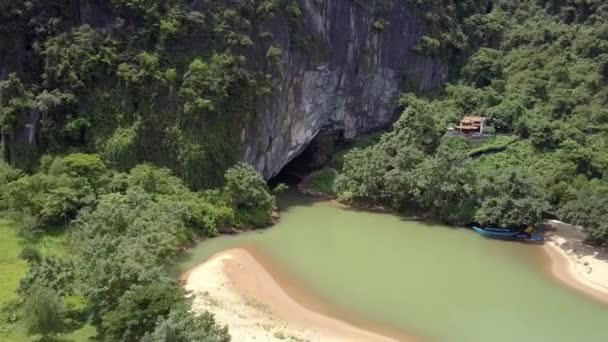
point(445, 284)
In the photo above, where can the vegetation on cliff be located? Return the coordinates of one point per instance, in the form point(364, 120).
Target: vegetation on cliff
point(139, 108)
point(542, 78)
point(166, 82)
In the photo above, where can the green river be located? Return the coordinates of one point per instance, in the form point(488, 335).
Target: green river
point(428, 280)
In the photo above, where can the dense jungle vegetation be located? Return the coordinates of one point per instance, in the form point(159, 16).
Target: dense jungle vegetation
point(141, 113)
point(138, 108)
point(539, 71)
point(112, 234)
point(141, 81)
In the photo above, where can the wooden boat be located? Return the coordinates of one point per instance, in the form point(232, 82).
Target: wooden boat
point(496, 232)
point(507, 234)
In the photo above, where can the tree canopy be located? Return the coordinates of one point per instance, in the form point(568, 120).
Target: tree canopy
point(536, 70)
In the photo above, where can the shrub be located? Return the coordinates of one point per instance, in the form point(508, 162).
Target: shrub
point(30, 253)
point(139, 309)
point(43, 312)
point(274, 55)
point(322, 181)
point(249, 196)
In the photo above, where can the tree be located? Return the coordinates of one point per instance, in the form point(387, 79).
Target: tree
point(362, 176)
point(43, 311)
point(50, 273)
point(483, 67)
point(155, 180)
point(59, 190)
point(207, 84)
point(184, 326)
point(504, 115)
point(139, 309)
point(121, 245)
point(15, 100)
point(80, 165)
point(75, 58)
point(249, 196)
point(445, 183)
point(588, 209)
point(382, 172)
point(509, 198)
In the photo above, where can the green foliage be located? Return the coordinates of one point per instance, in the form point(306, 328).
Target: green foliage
point(30, 253)
point(127, 236)
point(154, 180)
point(181, 326)
point(138, 310)
point(280, 188)
point(74, 59)
point(50, 273)
point(510, 199)
point(587, 208)
point(120, 150)
point(322, 181)
point(380, 172)
point(505, 115)
point(55, 194)
point(269, 7)
point(43, 312)
point(483, 67)
point(15, 98)
point(79, 165)
point(410, 168)
point(208, 85)
point(143, 70)
point(122, 86)
point(249, 196)
point(361, 142)
point(536, 70)
point(445, 183)
point(447, 21)
point(120, 245)
point(8, 173)
point(493, 145)
point(274, 55)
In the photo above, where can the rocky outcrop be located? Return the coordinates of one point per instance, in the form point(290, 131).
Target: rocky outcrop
point(352, 92)
point(340, 71)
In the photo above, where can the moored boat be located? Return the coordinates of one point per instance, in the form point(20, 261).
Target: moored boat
point(507, 234)
point(496, 232)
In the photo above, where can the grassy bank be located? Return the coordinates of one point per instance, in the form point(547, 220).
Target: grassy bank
point(12, 269)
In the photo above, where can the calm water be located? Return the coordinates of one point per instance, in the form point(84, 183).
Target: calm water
point(440, 283)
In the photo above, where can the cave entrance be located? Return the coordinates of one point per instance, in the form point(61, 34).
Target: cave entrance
point(314, 157)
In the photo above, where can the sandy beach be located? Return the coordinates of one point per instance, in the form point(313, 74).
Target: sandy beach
point(579, 266)
point(242, 294)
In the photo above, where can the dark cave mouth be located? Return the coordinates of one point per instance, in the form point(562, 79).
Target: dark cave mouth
point(317, 155)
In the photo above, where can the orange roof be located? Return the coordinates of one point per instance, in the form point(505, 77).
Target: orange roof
point(471, 119)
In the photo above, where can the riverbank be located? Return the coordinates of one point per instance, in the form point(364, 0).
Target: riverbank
point(242, 294)
point(576, 264)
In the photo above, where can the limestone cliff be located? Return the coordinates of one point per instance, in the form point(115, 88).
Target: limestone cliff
point(352, 92)
point(339, 71)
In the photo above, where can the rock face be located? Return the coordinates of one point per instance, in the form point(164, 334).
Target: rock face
point(344, 79)
point(352, 92)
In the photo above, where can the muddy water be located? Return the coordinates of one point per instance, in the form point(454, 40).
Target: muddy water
point(429, 280)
